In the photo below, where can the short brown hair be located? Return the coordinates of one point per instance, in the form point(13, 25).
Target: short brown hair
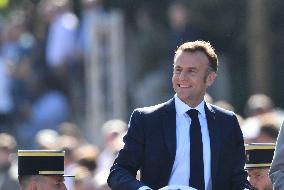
point(201, 46)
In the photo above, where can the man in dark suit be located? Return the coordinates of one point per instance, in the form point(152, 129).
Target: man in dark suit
point(185, 141)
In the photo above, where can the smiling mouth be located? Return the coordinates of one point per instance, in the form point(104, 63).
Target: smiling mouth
point(183, 86)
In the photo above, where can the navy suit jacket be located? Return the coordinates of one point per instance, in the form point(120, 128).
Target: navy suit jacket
point(150, 146)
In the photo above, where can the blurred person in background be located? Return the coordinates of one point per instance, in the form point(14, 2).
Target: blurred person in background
point(258, 161)
point(112, 131)
point(86, 158)
point(83, 179)
point(61, 43)
point(261, 106)
point(6, 99)
point(50, 106)
point(47, 108)
point(7, 158)
point(268, 133)
point(17, 53)
point(71, 129)
point(260, 111)
point(69, 145)
point(258, 104)
point(16, 50)
point(276, 172)
point(46, 139)
point(61, 39)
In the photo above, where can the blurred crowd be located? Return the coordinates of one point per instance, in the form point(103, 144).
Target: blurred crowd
point(261, 120)
point(38, 57)
point(86, 161)
point(42, 88)
point(43, 47)
point(90, 164)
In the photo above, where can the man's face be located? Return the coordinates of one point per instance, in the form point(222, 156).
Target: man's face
point(259, 179)
point(51, 183)
point(191, 77)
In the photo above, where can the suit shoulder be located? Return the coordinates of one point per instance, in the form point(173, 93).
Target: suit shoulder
point(219, 110)
point(158, 108)
point(151, 109)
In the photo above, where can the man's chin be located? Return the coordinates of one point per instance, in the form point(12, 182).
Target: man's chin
point(184, 99)
point(183, 96)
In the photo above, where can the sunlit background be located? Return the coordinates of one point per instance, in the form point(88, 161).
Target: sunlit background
point(71, 66)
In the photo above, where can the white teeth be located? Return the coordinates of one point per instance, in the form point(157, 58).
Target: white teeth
point(183, 86)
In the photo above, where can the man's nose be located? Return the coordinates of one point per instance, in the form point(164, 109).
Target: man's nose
point(183, 75)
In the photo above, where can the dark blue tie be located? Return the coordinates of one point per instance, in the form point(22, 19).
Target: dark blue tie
point(196, 179)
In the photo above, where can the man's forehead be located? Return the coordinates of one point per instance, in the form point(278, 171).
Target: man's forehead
point(257, 170)
point(54, 177)
point(197, 54)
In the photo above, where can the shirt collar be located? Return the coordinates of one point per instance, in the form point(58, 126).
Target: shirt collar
point(182, 108)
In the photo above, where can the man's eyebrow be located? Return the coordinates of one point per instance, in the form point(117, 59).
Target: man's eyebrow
point(187, 68)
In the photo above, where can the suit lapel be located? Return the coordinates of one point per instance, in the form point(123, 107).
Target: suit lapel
point(169, 129)
point(214, 133)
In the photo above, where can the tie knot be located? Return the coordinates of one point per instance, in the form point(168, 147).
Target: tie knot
point(193, 113)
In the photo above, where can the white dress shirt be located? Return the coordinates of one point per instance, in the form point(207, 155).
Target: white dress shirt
point(181, 169)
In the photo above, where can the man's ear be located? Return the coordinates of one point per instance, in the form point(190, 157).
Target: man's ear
point(211, 78)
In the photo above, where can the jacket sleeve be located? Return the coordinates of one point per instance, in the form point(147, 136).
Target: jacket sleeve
point(277, 167)
point(124, 170)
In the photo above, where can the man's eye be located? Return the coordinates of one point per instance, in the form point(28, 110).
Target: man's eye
point(177, 71)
